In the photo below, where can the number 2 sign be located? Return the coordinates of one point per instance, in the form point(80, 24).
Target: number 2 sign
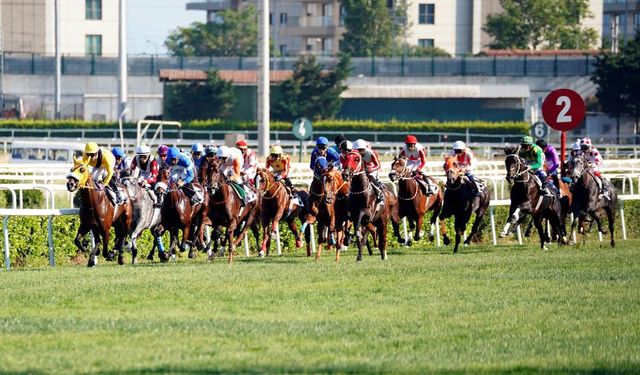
point(563, 109)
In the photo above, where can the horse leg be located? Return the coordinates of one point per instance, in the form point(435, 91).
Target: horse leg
point(266, 236)
point(321, 239)
point(460, 223)
point(230, 240)
point(527, 232)
point(514, 216)
point(611, 218)
point(474, 229)
point(82, 231)
point(382, 238)
point(106, 236)
point(291, 222)
point(537, 221)
point(121, 236)
point(358, 230)
point(419, 222)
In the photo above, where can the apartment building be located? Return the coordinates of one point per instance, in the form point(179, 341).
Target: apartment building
point(86, 26)
point(314, 26)
point(621, 20)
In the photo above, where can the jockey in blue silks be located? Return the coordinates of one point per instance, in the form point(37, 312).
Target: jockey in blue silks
point(183, 173)
point(322, 150)
point(321, 163)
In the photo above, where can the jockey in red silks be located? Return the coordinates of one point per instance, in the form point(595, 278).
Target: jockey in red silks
point(249, 161)
point(345, 148)
point(147, 168)
point(371, 166)
point(416, 156)
point(594, 161)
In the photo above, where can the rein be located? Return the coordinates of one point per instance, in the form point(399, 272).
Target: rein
point(268, 187)
point(519, 172)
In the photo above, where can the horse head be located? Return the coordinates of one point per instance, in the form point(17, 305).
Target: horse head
point(515, 166)
point(398, 168)
point(576, 167)
point(78, 176)
point(262, 175)
point(330, 181)
point(214, 178)
point(451, 170)
point(354, 164)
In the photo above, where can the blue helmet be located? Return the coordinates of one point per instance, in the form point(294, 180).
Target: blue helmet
point(197, 147)
point(173, 153)
point(322, 141)
point(117, 152)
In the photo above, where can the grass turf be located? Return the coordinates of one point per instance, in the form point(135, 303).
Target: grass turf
point(491, 309)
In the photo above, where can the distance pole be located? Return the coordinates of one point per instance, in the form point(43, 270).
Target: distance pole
point(58, 85)
point(122, 55)
point(263, 82)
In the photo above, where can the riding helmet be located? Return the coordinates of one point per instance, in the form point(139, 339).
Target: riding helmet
point(346, 146)
point(173, 153)
point(143, 150)
point(162, 150)
point(91, 148)
point(242, 144)
point(360, 144)
point(526, 140)
point(197, 147)
point(411, 140)
point(275, 150)
point(117, 152)
point(459, 145)
point(541, 143)
point(339, 139)
point(322, 141)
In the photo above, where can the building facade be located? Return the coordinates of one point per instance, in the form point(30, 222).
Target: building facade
point(86, 27)
point(621, 20)
point(315, 27)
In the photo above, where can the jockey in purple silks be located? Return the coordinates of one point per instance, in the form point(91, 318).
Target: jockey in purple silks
point(551, 161)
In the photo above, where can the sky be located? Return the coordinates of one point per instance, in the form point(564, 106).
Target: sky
point(150, 21)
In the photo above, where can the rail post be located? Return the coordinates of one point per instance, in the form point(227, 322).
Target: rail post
point(5, 231)
point(52, 260)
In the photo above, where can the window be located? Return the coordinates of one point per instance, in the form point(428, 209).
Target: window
point(343, 15)
point(270, 18)
point(93, 9)
point(283, 18)
point(636, 20)
point(93, 45)
point(283, 49)
point(426, 14)
point(425, 42)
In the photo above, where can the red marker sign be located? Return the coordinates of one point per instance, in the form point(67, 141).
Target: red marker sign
point(563, 109)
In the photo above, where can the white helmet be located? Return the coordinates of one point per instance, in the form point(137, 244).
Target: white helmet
point(576, 146)
point(360, 144)
point(143, 150)
point(347, 145)
point(223, 152)
point(459, 145)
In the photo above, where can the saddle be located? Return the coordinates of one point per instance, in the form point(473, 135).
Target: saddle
point(480, 183)
point(245, 195)
point(111, 195)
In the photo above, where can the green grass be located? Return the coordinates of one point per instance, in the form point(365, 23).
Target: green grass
point(490, 309)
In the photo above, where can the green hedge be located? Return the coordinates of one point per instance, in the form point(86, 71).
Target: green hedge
point(325, 125)
point(28, 237)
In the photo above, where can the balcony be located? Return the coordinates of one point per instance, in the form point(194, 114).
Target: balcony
point(213, 6)
point(310, 26)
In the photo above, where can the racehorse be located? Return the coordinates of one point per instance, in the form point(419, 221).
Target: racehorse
point(145, 214)
point(460, 202)
point(276, 206)
point(326, 216)
point(587, 201)
point(98, 214)
point(177, 214)
point(413, 202)
point(363, 207)
point(566, 197)
point(526, 198)
point(226, 210)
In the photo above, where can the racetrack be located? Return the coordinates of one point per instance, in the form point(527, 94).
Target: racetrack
point(491, 309)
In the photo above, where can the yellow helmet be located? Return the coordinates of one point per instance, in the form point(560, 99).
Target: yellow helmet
point(91, 148)
point(276, 150)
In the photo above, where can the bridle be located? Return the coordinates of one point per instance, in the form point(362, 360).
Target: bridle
point(269, 185)
point(520, 170)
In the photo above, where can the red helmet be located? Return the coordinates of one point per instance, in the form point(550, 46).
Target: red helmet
point(411, 139)
point(241, 144)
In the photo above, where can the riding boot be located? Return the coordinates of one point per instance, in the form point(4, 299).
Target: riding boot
point(604, 189)
point(119, 198)
point(543, 188)
point(380, 194)
point(474, 185)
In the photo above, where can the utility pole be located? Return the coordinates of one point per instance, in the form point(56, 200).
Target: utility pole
point(122, 55)
point(614, 33)
point(263, 82)
point(58, 88)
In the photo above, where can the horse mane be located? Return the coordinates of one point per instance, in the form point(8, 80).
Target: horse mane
point(511, 149)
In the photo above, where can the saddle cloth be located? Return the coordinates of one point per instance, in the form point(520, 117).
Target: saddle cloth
point(242, 192)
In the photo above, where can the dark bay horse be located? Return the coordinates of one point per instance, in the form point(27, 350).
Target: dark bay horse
point(460, 202)
point(587, 203)
point(177, 214)
point(226, 210)
point(363, 208)
point(332, 182)
point(276, 206)
point(413, 202)
point(526, 198)
point(98, 214)
point(145, 214)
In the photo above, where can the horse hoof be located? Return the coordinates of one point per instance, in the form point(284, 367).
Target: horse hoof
point(91, 263)
point(358, 259)
point(134, 261)
point(431, 238)
point(446, 241)
point(120, 260)
point(261, 254)
point(502, 235)
point(401, 241)
point(192, 254)
point(150, 257)
point(298, 244)
point(613, 243)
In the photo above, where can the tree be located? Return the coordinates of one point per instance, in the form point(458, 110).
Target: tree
point(235, 34)
point(534, 24)
point(200, 100)
point(312, 92)
point(373, 28)
point(618, 78)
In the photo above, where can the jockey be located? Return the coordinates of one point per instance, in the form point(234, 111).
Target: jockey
point(122, 162)
point(322, 150)
point(279, 162)
point(183, 173)
point(416, 159)
point(231, 166)
point(162, 156)
point(250, 163)
point(534, 156)
point(103, 164)
point(371, 165)
point(594, 162)
point(338, 142)
point(551, 160)
point(345, 148)
point(467, 162)
point(148, 175)
point(197, 154)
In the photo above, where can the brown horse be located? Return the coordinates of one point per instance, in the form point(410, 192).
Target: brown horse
point(413, 202)
point(226, 209)
point(326, 215)
point(460, 202)
point(177, 214)
point(98, 214)
point(363, 207)
point(276, 206)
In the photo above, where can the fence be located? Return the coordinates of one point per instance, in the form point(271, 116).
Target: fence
point(543, 66)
